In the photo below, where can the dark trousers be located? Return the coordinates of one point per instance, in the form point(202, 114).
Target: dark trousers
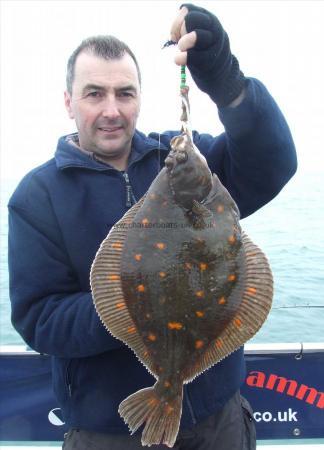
point(232, 428)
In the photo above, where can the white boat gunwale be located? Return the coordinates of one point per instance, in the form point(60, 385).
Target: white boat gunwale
point(249, 349)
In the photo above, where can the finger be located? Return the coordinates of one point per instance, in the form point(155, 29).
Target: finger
point(183, 29)
point(176, 27)
point(205, 39)
point(181, 58)
point(187, 41)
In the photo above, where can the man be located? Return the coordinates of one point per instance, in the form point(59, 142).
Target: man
point(62, 210)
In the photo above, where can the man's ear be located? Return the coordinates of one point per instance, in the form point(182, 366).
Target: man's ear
point(68, 104)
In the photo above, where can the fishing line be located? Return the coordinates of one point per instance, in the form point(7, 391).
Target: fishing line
point(167, 44)
point(182, 85)
point(159, 154)
point(297, 306)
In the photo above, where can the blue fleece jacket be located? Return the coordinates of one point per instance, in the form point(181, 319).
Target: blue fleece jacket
point(60, 213)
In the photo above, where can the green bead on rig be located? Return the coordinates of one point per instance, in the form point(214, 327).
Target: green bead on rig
point(183, 77)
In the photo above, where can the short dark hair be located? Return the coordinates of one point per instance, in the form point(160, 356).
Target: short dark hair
point(107, 47)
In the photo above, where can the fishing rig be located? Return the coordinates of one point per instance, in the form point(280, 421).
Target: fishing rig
point(186, 128)
point(184, 90)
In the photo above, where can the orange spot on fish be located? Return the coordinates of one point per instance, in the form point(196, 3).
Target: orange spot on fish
point(114, 277)
point(138, 257)
point(200, 313)
point(175, 325)
point(219, 343)
point(199, 344)
point(188, 265)
point(131, 330)
point(232, 239)
point(145, 354)
point(222, 301)
point(152, 401)
point(168, 409)
point(203, 266)
point(145, 221)
point(162, 274)
point(140, 288)
point(251, 290)
point(160, 245)
point(200, 294)
point(220, 209)
point(117, 245)
point(231, 277)
point(121, 305)
point(238, 322)
point(152, 337)
point(167, 384)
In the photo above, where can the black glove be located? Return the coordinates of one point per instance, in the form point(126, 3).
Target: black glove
point(212, 66)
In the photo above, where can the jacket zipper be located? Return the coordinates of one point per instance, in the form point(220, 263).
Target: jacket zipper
point(68, 378)
point(130, 198)
point(191, 411)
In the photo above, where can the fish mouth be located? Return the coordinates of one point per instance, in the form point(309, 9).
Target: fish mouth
point(179, 143)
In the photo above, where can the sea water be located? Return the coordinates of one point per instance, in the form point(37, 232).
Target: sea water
point(289, 230)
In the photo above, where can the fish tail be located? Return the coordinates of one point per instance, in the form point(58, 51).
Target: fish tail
point(161, 415)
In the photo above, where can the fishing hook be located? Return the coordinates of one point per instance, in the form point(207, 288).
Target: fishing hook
point(168, 43)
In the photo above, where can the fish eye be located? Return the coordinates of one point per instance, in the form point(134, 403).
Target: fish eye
point(169, 161)
point(182, 157)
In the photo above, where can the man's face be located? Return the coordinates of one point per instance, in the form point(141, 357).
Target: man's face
point(105, 104)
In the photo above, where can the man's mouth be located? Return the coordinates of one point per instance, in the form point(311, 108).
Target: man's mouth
point(110, 129)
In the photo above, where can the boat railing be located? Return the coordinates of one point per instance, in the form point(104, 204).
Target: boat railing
point(284, 384)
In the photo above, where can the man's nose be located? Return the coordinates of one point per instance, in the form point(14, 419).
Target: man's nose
point(110, 108)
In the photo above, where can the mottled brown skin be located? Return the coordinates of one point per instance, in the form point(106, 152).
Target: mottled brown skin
point(183, 265)
point(179, 282)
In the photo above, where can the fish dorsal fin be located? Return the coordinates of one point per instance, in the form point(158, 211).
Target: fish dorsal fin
point(107, 293)
point(251, 314)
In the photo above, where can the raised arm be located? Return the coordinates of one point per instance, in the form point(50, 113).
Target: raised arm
point(256, 156)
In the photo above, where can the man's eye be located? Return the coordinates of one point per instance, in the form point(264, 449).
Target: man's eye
point(94, 94)
point(126, 94)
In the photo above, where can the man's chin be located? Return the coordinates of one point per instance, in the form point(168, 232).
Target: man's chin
point(113, 151)
point(110, 152)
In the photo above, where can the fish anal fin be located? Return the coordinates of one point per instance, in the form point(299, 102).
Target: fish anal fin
point(107, 293)
point(251, 314)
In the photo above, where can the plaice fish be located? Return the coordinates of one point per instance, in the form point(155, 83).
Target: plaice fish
point(180, 283)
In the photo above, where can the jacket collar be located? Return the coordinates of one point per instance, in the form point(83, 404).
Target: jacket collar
point(68, 155)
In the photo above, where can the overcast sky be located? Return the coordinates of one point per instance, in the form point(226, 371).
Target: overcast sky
point(278, 42)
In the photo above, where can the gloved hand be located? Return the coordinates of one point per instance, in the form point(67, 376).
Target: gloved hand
point(210, 61)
